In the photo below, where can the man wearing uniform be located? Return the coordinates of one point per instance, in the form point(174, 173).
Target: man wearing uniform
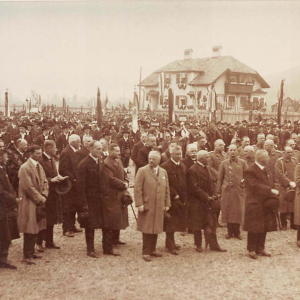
point(284, 172)
point(273, 157)
point(230, 188)
point(245, 142)
point(260, 142)
point(125, 147)
point(291, 143)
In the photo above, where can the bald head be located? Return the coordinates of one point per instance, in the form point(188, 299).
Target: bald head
point(219, 145)
point(249, 151)
point(269, 145)
point(202, 157)
point(262, 157)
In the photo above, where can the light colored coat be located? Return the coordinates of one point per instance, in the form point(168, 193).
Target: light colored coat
point(152, 191)
point(232, 193)
point(31, 189)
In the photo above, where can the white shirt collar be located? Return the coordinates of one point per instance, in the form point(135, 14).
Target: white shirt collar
point(34, 161)
point(260, 166)
point(73, 149)
point(200, 163)
point(175, 162)
point(105, 153)
point(49, 157)
point(156, 170)
point(94, 158)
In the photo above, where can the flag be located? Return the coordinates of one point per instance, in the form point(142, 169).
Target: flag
point(106, 101)
point(29, 107)
point(135, 100)
point(162, 87)
point(99, 110)
point(171, 104)
point(6, 105)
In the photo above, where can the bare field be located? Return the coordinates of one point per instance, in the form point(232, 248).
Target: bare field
point(69, 273)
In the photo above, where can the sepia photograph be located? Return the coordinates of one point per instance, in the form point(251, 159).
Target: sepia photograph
point(149, 150)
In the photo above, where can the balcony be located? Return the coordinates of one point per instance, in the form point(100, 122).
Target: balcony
point(238, 88)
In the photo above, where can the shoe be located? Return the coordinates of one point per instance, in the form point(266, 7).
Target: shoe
point(69, 234)
point(6, 265)
point(40, 248)
point(177, 247)
point(228, 236)
point(263, 253)
point(293, 226)
point(174, 252)
point(119, 243)
point(28, 261)
point(199, 249)
point(147, 258)
point(252, 255)
point(112, 252)
point(76, 230)
point(218, 249)
point(239, 237)
point(52, 246)
point(92, 254)
point(34, 256)
point(156, 254)
point(221, 225)
point(284, 228)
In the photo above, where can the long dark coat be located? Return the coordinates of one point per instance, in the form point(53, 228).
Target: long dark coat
point(82, 153)
point(62, 142)
point(178, 187)
point(258, 218)
point(200, 187)
point(53, 203)
point(116, 216)
point(142, 159)
point(41, 139)
point(89, 190)
point(188, 162)
point(7, 204)
point(68, 164)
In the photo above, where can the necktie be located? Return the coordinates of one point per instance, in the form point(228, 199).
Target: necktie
point(38, 170)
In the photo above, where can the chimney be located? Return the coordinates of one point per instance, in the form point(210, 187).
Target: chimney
point(188, 53)
point(216, 51)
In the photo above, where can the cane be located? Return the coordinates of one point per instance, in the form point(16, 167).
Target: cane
point(133, 212)
point(278, 220)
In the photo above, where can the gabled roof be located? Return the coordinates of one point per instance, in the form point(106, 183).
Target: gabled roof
point(152, 93)
point(151, 80)
point(209, 69)
point(259, 91)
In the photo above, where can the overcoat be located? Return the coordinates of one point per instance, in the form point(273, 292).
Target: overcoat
point(89, 190)
point(297, 199)
point(31, 188)
point(200, 187)
point(178, 187)
point(68, 164)
point(53, 203)
point(231, 174)
point(116, 214)
point(258, 184)
point(152, 191)
point(7, 204)
point(62, 142)
point(188, 162)
point(284, 172)
point(82, 153)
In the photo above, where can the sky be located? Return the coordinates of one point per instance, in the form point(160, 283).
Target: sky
point(62, 49)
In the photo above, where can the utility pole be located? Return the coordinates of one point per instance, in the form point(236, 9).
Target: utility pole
point(280, 102)
point(139, 101)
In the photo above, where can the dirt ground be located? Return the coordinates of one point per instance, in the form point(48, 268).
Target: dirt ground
point(69, 273)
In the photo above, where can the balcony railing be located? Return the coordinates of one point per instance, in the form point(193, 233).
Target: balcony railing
point(238, 88)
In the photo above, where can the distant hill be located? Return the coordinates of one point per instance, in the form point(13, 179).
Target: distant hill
point(291, 85)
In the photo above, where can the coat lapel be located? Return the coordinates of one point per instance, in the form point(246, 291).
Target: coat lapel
point(153, 173)
point(32, 166)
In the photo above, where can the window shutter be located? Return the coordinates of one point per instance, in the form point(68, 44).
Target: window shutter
point(177, 100)
point(178, 78)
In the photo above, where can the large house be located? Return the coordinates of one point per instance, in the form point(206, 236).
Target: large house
point(237, 86)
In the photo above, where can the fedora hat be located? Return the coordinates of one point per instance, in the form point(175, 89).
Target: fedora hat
point(63, 187)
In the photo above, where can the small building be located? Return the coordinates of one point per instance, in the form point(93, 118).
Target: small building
point(288, 105)
point(238, 87)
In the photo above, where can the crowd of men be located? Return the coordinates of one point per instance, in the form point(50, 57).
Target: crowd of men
point(189, 176)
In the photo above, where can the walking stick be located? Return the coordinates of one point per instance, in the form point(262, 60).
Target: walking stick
point(133, 212)
point(278, 220)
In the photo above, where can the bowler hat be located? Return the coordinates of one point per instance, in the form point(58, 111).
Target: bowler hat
point(63, 187)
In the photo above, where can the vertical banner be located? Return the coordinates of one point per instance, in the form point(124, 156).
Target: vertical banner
point(171, 105)
point(6, 104)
